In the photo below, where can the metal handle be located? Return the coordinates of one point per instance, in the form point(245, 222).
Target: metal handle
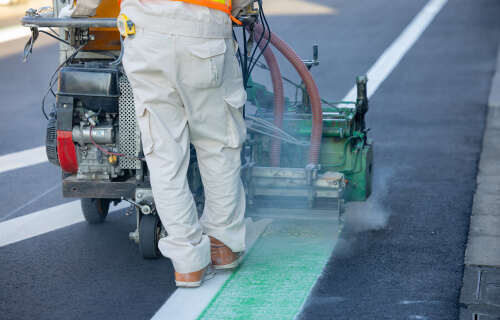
point(33, 21)
point(144, 208)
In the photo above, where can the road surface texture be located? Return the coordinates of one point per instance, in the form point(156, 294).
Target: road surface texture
point(402, 253)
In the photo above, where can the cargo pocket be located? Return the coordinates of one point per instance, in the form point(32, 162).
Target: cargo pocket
point(236, 128)
point(144, 121)
point(206, 66)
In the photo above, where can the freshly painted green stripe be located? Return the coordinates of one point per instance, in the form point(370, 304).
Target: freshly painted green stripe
point(277, 273)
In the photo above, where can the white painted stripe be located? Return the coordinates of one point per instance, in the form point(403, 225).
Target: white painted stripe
point(187, 304)
point(14, 33)
point(393, 55)
point(43, 221)
point(30, 202)
point(18, 160)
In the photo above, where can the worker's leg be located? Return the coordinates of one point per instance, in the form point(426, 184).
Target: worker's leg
point(213, 95)
point(148, 61)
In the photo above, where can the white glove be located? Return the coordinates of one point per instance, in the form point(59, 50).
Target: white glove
point(67, 10)
point(82, 9)
point(239, 7)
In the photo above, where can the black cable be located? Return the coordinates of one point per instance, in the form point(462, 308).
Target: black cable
point(67, 61)
point(244, 62)
point(258, 43)
point(254, 50)
point(248, 66)
point(53, 31)
point(265, 26)
point(51, 82)
point(52, 36)
point(43, 103)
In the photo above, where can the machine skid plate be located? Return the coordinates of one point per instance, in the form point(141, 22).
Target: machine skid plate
point(108, 189)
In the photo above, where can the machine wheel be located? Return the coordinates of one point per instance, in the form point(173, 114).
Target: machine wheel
point(149, 235)
point(95, 210)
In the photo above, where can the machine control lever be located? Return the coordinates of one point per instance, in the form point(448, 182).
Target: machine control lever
point(314, 62)
point(146, 209)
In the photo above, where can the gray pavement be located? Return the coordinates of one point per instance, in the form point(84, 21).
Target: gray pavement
point(427, 120)
point(481, 288)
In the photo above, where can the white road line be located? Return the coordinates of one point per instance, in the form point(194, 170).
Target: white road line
point(14, 33)
point(187, 304)
point(393, 55)
point(30, 202)
point(43, 221)
point(18, 160)
point(40, 222)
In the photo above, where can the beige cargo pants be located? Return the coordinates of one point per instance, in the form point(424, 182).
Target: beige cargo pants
point(186, 90)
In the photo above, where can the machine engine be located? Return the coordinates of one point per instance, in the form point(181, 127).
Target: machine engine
point(88, 105)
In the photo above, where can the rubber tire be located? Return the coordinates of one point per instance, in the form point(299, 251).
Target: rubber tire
point(149, 235)
point(95, 210)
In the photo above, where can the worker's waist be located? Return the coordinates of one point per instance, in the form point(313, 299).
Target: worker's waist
point(185, 25)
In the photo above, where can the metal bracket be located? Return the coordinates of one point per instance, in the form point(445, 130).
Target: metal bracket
point(28, 47)
point(143, 200)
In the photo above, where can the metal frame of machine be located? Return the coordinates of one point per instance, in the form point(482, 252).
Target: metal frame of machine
point(312, 154)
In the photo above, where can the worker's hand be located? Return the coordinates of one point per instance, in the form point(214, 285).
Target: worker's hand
point(239, 7)
point(67, 10)
point(80, 9)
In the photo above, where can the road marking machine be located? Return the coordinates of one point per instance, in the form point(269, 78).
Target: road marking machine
point(305, 158)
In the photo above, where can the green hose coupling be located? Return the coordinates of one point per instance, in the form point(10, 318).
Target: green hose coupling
point(359, 134)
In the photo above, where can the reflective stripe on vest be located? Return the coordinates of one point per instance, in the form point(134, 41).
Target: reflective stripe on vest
point(222, 5)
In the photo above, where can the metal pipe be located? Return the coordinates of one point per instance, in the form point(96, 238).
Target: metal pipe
point(33, 21)
point(30, 21)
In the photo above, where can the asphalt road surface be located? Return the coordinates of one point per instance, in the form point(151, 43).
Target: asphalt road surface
point(427, 120)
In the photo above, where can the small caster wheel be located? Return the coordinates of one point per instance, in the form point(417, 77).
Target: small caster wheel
point(95, 210)
point(149, 235)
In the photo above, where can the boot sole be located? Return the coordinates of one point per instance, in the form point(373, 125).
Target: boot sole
point(232, 265)
point(207, 276)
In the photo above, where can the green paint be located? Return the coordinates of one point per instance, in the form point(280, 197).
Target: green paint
point(277, 274)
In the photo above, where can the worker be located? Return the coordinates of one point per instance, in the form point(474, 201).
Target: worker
point(188, 88)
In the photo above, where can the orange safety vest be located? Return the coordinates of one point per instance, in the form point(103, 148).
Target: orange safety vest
point(222, 5)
